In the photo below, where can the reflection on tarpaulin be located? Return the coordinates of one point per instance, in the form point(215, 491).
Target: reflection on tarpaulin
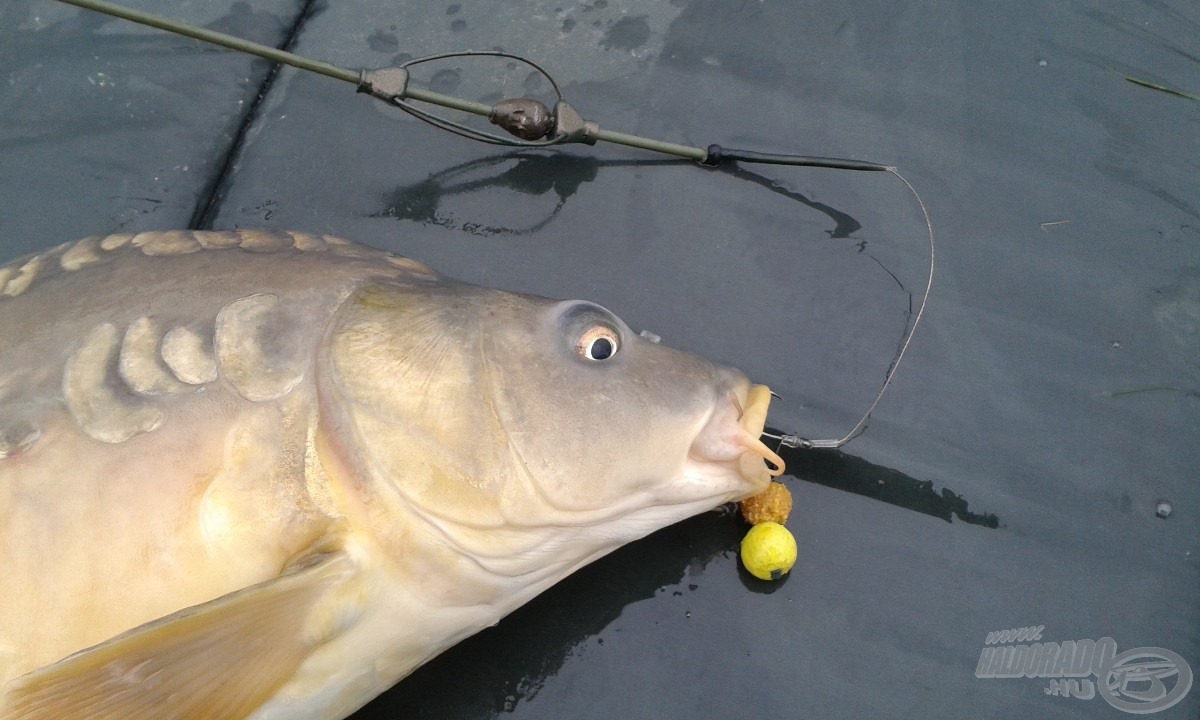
point(558, 174)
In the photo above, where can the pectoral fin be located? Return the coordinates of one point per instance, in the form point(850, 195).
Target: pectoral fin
point(215, 661)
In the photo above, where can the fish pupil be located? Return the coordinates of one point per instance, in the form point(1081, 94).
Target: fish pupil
point(601, 349)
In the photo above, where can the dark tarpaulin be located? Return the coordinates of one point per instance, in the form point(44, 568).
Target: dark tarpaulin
point(1009, 480)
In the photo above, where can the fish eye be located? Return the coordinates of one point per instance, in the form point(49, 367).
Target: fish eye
point(589, 331)
point(598, 342)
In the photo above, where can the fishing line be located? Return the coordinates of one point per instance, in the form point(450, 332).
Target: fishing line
point(533, 124)
point(795, 441)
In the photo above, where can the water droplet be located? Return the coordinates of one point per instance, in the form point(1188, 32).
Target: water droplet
point(445, 81)
point(629, 33)
point(383, 42)
point(533, 82)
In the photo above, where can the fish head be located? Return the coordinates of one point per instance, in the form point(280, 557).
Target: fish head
point(606, 422)
point(534, 435)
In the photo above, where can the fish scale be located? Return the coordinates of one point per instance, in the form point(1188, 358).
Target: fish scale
point(266, 475)
point(101, 395)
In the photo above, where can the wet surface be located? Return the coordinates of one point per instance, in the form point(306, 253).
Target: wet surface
point(1015, 475)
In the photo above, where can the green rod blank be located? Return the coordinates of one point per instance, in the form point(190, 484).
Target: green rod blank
point(268, 52)
point(683, 151)
point(216, 38)
point(351, 76)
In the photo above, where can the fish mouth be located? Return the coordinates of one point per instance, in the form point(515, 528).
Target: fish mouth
point(751, 423)
point(732, 438)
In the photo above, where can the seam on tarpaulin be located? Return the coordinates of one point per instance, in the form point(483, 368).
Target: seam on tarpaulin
point(210, 199)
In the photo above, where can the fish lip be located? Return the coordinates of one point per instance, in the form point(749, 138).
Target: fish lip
point(752, 421)
point(731, 437)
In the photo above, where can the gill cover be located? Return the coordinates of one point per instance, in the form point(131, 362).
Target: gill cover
point(488, 408)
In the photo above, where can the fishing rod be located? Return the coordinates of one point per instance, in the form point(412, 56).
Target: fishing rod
point(532, 124)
